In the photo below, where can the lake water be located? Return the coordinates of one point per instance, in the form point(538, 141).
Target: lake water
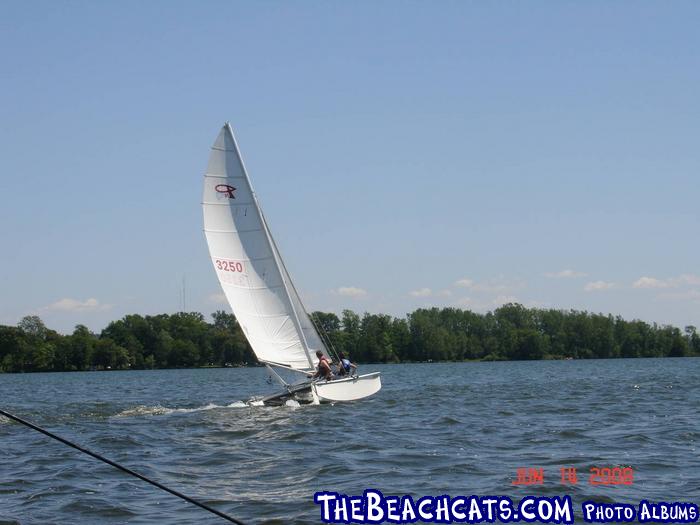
point(433, 429)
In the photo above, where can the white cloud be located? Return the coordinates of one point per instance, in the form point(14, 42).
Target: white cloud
point(687, 279)
point(444, 293)
point(596, 286)
point(218, 298)
point(650, 282)
point(422, 292)
point(565, 274)
point(499, 285)
point(464, 283)
point(73, 305)
point(350, 291)
point(690, 279)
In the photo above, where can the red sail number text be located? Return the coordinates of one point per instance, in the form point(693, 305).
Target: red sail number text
point(228, 266)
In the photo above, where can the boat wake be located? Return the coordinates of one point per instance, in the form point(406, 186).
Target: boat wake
point(159, 410)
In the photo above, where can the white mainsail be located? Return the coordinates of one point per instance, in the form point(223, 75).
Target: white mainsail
point(249, 267)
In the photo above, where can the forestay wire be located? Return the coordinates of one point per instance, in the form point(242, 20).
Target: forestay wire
point(325, 336)
point(327, 341)
point(120, 467)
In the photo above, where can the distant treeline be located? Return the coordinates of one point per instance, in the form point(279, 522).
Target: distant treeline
point(511, 332)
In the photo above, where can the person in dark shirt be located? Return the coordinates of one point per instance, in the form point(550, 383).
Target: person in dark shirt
point(323, 370)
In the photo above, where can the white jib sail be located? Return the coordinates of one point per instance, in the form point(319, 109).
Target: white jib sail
point(249, 267)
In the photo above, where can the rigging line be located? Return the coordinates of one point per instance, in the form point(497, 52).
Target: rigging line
point(322, 332)
point(120, 467)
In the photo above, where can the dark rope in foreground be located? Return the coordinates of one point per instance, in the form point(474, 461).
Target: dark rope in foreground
point(118, 466)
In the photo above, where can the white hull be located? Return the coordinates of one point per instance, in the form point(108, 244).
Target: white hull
point(349, 389)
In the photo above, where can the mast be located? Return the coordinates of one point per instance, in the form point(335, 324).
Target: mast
point(275, 255)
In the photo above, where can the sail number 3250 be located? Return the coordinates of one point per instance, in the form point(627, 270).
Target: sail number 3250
point(228, 266)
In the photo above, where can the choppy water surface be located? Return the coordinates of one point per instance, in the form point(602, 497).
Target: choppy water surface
point(434, 429)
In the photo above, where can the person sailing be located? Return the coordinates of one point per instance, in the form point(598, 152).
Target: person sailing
point(323, 371)
point(346, 367)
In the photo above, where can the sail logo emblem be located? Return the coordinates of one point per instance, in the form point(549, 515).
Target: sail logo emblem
point(225, 189)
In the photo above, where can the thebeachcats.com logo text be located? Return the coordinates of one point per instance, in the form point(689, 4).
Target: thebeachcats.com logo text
point(374, 507)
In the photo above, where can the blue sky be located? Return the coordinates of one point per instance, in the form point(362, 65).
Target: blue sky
point(406, 154)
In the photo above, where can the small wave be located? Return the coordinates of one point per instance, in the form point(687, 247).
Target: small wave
point(143, 410)
point(159, 410)
point(289, 403)
point(210, 406)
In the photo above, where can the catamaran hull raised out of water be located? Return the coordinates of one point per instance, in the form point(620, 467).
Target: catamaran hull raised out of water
point(348, 389)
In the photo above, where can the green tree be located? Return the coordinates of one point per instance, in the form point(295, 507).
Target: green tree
point(107, 354)
point(81, 347)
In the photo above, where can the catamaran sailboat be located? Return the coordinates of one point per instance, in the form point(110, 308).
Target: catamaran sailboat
point(258, 287)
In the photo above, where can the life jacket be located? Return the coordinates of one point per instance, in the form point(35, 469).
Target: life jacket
point(324, 371)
